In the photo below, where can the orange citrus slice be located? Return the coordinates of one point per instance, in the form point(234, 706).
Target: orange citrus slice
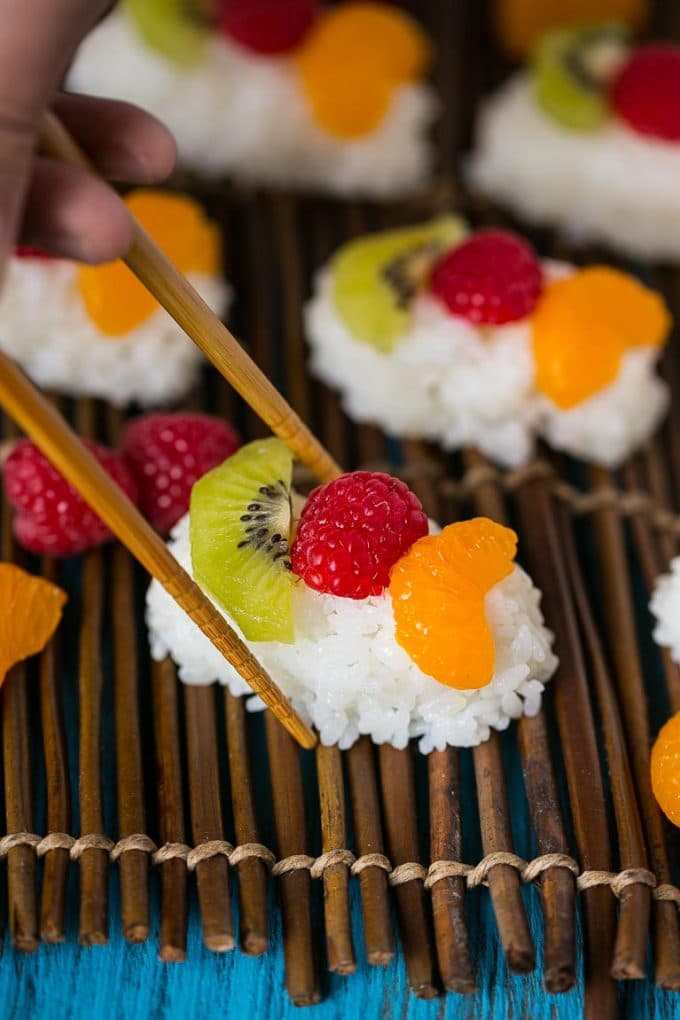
point(438, 590)
point(115, 300)
point(584, 324)
point(665, 768)
point(521, 23)
point(353, 58)
point(31, 611)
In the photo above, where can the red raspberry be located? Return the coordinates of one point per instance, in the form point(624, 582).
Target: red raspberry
point(353, 530)
point(25, 251)
point(167, 453)
point(266, 26)
point(494, 277)
point(646, 92)
point(51, 517)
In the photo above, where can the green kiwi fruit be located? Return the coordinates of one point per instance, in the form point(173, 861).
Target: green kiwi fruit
point(168, 27)
point(375, 278)
point(240, 524)
point(572, 69)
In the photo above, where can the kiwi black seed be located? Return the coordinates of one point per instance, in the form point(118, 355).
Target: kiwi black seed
point(407, 273)
point(266, 519)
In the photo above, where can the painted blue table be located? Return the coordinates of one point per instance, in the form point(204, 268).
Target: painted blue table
point(114, 981)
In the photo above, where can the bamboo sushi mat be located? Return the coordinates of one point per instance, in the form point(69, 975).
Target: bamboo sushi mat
point(204, 790)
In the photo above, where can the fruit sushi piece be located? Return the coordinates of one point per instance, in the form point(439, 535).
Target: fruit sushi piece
point(587, 139)
point(94, 330)
point(476, 341)
point(276, 93)
point(520, 24)
point(371, 619)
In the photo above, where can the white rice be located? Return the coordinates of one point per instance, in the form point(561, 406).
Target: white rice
point(611, 185)
point(665, 607)
point(247, 116)
point(607, 427)
point(450, 381)
point(348, 676)
point(45, 326)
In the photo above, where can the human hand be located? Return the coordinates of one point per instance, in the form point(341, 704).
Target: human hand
point(60, 208)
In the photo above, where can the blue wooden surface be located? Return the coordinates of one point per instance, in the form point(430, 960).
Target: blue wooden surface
point(68, 983)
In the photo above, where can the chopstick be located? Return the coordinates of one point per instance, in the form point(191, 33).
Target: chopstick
point(174, 292)
point(40, 420)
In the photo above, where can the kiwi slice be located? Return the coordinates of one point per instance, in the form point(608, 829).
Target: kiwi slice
point(375, 278)
point(240, 523)
point(170, 28)
point(573, 68)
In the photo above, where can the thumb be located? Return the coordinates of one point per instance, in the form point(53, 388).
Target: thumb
point(37, 43)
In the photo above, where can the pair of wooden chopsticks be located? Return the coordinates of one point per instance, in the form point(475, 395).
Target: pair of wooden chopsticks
point(40, 420)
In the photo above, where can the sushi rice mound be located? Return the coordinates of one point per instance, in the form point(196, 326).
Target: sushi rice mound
point(346, 673)
point(665, 607)
point(450, 381)
point(44, 325)
point(610, 185)
point(245, 116)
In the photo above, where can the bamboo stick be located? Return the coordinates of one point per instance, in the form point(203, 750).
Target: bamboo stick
point(94, 863)
point(558, 890)
point(336, 877)
point(368, 834)
point(635, 905)
point(21, 872)
point(295, 886)
point(620, 623)
point(252, 873)
point(212, 875)
point(401, 824)
point(570, 695)
point(134, 864)
point(60, 444)
point(448, 895)
point(504, 887)
point(55, 862)
point(174, 292)
point(174, 884)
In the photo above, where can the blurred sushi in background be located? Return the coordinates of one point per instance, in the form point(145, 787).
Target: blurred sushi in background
point(276, 93)
point(474, 340)
point(95, 330)
point(586, 138)
point(519, 24)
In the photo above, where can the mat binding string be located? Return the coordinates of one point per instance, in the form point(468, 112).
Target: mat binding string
point(475, 875)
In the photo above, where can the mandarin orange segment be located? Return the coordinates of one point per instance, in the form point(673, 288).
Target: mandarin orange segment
point(665, 769)
point(520, 23)
point(114, 299)
point(584, 324)
point(346, 105)
point(438, 590)
point(31, 611)
point(352, 59)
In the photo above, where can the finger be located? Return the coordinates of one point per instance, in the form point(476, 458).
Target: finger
point(37, 43)
point(70, 213)
point(126, 143)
